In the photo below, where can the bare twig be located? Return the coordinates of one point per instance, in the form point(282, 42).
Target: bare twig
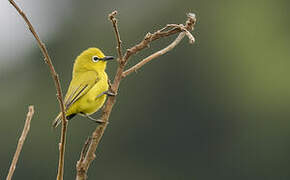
point(119, 42)
point(160, 34)
point(21, 141)
point(83, 164)
point(153, 56)
point(47, 60)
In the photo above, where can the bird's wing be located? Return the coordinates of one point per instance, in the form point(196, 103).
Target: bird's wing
point(79, 86)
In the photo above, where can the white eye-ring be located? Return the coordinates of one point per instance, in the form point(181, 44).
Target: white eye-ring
point(95, 58)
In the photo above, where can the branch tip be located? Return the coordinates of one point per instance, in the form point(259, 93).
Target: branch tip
point(112, 15)
point(191, 15)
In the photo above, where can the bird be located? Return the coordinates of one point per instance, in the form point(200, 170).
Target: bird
point(89, 86)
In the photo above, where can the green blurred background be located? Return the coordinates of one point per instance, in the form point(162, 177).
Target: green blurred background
point(218, 109)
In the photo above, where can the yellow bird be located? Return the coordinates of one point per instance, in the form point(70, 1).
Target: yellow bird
point(89, 85)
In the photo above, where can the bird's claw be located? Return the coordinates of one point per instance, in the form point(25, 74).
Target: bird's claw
point(110, 93)
point(100, 121)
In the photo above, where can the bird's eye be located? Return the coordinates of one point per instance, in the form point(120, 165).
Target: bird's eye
point(95, 58)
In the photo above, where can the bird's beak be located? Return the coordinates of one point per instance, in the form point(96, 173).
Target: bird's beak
point(107, 58)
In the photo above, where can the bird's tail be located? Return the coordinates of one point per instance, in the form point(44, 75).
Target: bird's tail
point(57, 121)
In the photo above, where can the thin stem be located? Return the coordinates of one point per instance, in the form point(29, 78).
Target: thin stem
point(155, 55)
point(47, 60)
point(21, 142)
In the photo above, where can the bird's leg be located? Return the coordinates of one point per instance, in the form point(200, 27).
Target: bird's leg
point(100, 121)
point(110, 93)
point(101, 94)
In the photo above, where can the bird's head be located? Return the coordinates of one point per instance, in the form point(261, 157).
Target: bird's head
point(92, 59)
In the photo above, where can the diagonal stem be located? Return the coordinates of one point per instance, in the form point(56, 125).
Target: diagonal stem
point(21, 142)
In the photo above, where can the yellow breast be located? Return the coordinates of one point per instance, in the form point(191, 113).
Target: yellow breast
point(91, 101)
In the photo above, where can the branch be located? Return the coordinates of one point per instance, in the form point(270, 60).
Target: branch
point(158, 34)
point(21, 142)
point(153, 56)
point(189, 25)
point(55, 77)
point(84, 162)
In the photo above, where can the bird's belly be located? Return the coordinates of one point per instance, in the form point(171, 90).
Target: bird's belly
point(89, 106)
point(90, 102)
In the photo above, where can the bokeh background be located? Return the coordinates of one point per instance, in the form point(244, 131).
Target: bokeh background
point(218, 109)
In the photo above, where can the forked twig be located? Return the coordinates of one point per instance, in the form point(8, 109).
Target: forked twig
point(21, 142)
point(154, 55)
point(48, 61)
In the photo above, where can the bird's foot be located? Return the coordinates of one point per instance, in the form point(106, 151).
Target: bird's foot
point(100, 121)
point(110, 93)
